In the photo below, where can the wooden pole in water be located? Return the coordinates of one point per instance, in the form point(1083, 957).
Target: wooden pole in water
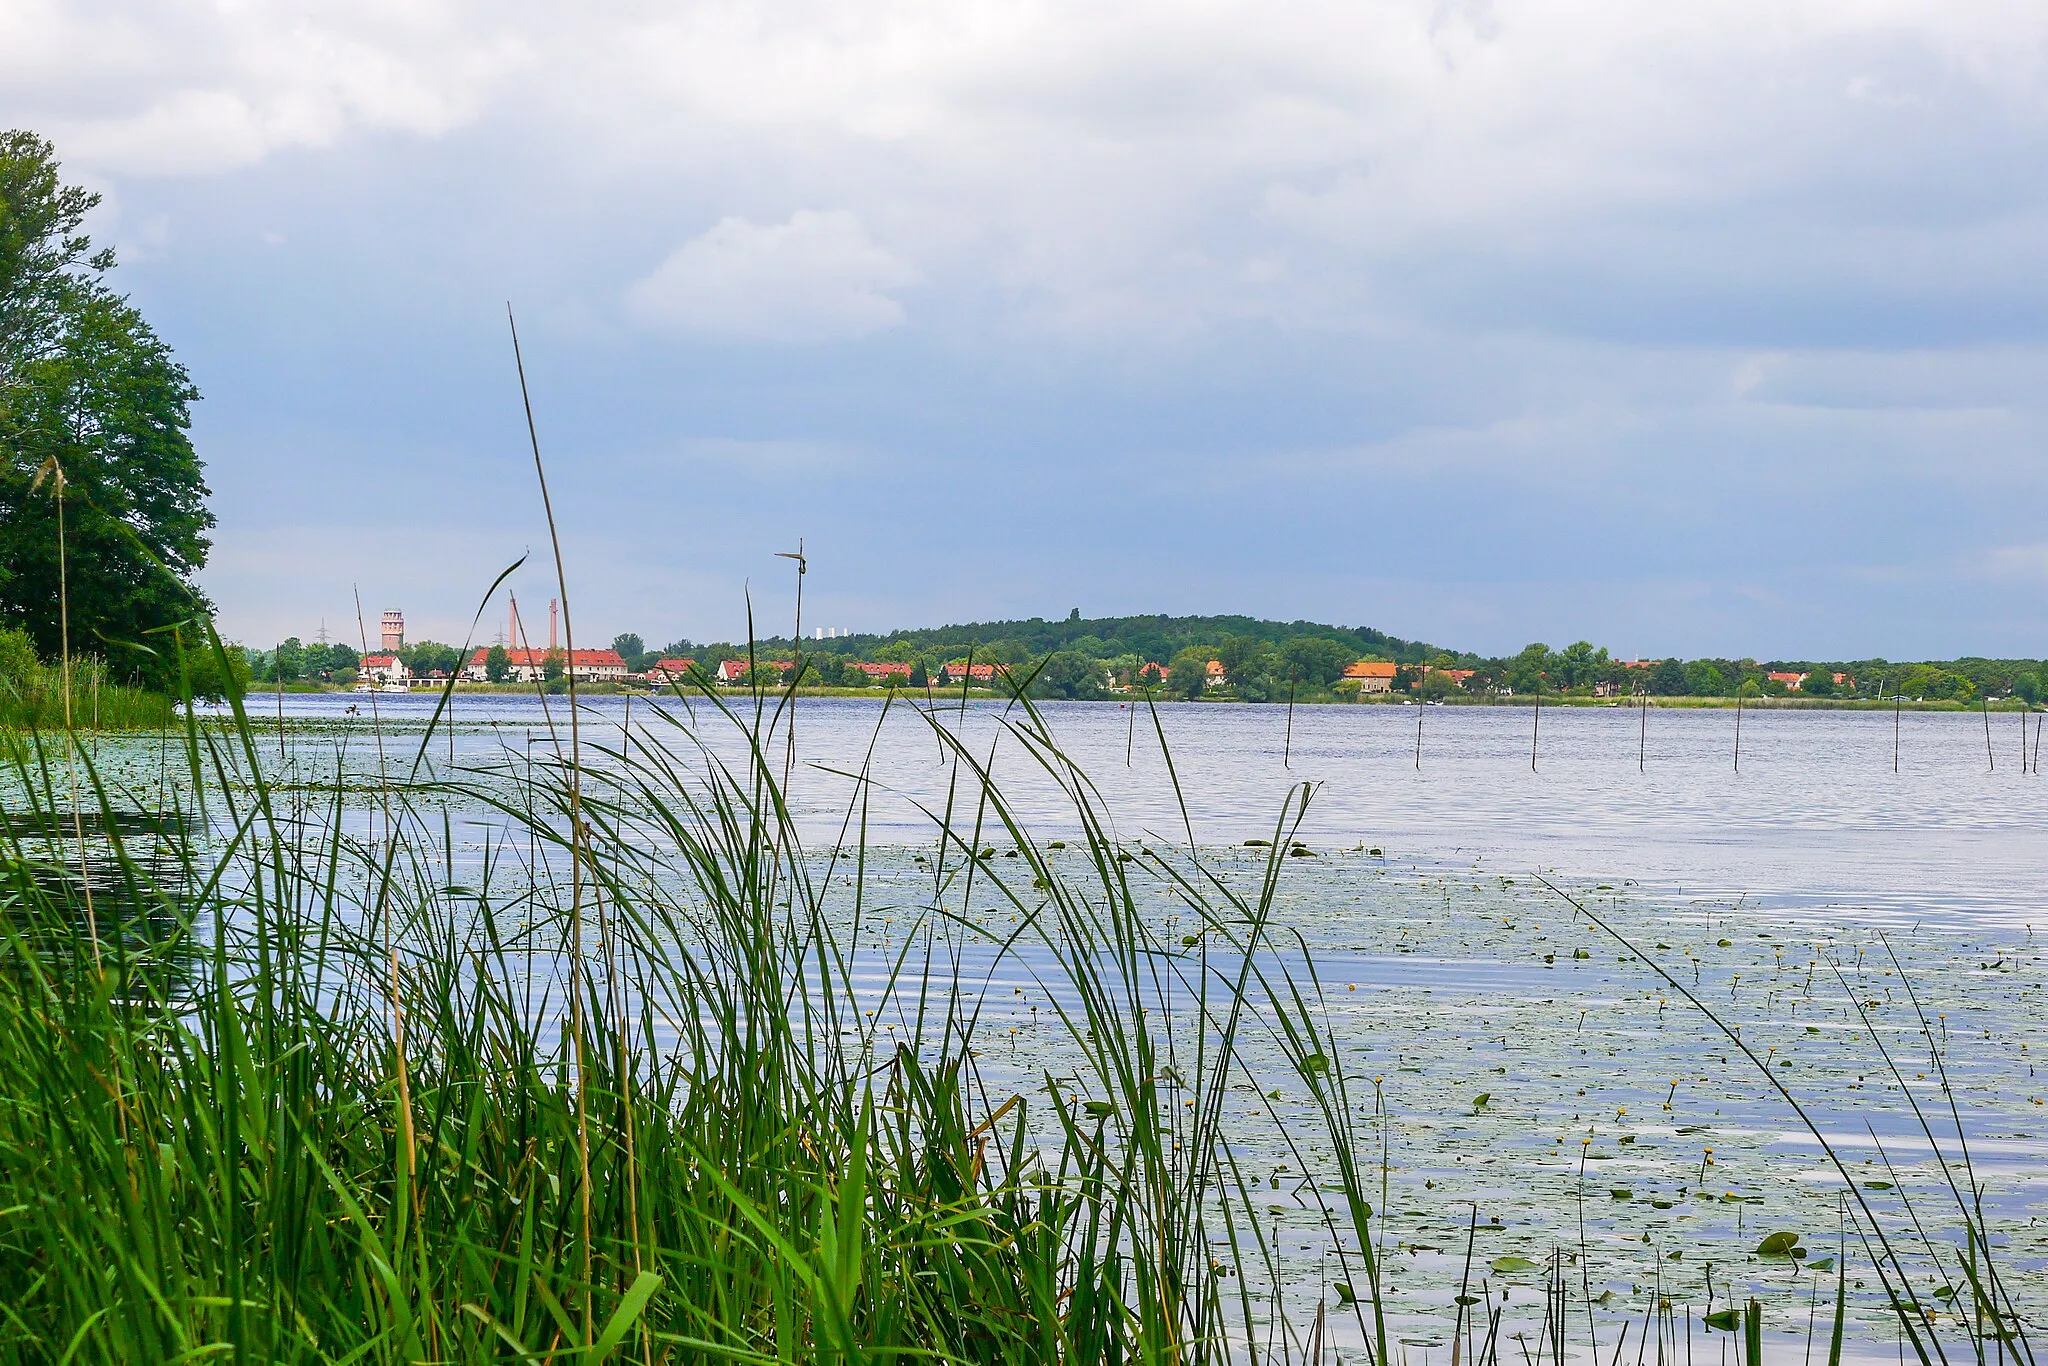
point(1738, 730)
point(1643, 739)
point(277, 671)
point(1535, 726)
point(1898, 707)
point(1287, 754)
point(1988, 757)
point(1418, 737)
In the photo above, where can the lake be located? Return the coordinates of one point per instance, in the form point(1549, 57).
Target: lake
point(1530, 1071)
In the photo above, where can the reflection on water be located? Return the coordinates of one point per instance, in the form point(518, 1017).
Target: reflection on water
point(112, 887)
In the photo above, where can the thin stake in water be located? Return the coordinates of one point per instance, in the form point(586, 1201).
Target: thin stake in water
point(1418, 737)
point(1738, 730)
point(1643, 738)
point(796, 653)
point(1287, 751)
point(1535, 725)
point(1989, 759)
point(1898, 709)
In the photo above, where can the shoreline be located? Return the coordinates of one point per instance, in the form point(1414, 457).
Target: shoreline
point(2003, 705)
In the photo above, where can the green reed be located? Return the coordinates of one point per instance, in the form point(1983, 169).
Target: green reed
point(279, 1084)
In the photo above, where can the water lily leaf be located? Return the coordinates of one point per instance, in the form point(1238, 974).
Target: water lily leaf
point(1821, 1264)
point(1777, 1245)
point(1188, 941)
point(1345, 1294)
point(1101, 1109)
point(1466, 1300)
point(1727, 1320)
point(1505, 1266)
point(1479, 1101)
point(1877, 1185)
point(1315, 1064)
point(1619, 1194)
point(1258, 844)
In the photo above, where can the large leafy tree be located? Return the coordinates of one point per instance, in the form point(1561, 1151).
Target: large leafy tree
point(88, 389)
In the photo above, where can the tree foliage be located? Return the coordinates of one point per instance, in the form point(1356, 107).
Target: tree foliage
point(88, 388)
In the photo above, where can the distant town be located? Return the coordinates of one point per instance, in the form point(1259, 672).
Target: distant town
point(1196, 658)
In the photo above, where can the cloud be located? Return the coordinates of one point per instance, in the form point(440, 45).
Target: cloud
point(818, 277)
point(184, 87)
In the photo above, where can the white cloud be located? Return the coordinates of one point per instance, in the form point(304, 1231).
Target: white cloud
point(818, 277)
point(1158, 166)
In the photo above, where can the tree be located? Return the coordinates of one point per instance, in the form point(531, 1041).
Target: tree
point(918, 677)
point(628, 644)
point(1187, 673)
point(1819, 682)
point(497, 664)
point(1703, 679)
point(287, 663)
point(1069, 674)
point(1314, 660)
point(1579, 666)
point(1667, 678)
point(1525, 670)
point(89, 391)
point(552, 664)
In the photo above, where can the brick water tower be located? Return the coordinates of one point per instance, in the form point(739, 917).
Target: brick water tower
point(394, 631)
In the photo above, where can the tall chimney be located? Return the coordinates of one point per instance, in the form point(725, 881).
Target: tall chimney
point(554, 605)
point(511, 622)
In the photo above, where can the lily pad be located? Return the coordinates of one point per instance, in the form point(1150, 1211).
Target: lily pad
point(1778, 1245)
point(1507, 1266)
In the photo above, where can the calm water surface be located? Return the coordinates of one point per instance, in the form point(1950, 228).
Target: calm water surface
point(1816, 814)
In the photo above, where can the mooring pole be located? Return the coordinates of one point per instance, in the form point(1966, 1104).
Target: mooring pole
point(1535, 726)
point(1738, 730)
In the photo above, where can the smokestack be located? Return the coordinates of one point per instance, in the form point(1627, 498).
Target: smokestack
point(554, 605)
point(511, 622)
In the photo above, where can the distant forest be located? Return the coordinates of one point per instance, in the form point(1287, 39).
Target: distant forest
point(1078, 656)
point(1259, 661)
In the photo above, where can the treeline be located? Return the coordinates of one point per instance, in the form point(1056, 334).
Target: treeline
point(1263, 661)
point(1582, 669)
point(1082, 658)
point(1079, 657)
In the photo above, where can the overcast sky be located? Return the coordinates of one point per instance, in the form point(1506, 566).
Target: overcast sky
point(1704, 327)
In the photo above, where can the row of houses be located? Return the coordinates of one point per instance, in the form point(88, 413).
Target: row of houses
point(526, 666)
point(608, 666)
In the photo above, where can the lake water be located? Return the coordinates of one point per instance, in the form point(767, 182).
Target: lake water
point(1816, 814)
point(1616, 1120)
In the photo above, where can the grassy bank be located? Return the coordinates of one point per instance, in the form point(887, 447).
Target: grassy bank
point(292, 1076)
